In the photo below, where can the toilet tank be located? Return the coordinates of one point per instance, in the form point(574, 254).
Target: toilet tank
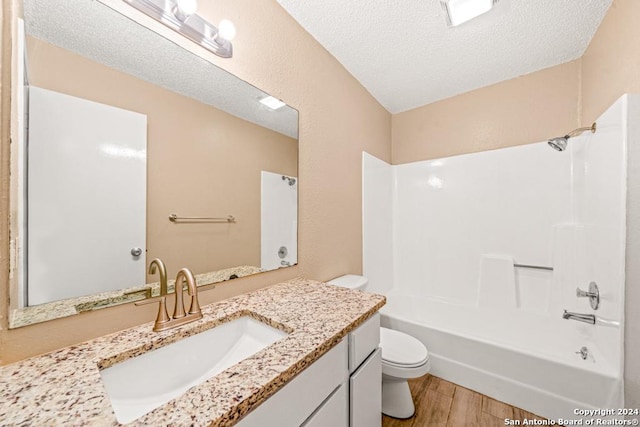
point(351, 281)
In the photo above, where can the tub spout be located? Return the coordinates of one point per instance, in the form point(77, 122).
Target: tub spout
point(580, 317)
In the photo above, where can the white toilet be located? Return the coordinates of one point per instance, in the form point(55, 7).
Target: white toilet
point(403, 358)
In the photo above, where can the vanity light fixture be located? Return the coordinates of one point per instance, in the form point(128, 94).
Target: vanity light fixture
point(227, 30)
point(184, 9)
point(460, 11)
point(271, 102)
point(181, 16)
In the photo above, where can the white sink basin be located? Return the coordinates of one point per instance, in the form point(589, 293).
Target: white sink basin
point(143, 383)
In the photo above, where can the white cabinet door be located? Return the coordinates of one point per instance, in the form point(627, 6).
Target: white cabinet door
point(363, 341)
point(86, 197)
point(365, 390)
point(298, 399)
point(334, 412)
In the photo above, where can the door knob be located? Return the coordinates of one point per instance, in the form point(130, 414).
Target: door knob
point(282, 252)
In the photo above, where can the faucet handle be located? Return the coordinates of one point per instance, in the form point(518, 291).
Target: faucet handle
point(593, 294)
point(163, 316)
point(582, 294)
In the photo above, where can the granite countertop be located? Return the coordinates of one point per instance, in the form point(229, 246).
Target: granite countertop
point(64, 387)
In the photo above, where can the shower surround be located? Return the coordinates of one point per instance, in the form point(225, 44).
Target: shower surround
point(278, 221)
point(443, 238)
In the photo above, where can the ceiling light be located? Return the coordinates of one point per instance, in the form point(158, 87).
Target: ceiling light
point(461, 11)
point(271, 102)
point(174, 14)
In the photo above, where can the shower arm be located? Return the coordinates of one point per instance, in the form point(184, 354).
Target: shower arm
point(578, 131)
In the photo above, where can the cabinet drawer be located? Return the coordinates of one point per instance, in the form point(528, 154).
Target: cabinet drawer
point(299, 398)
point(364, 340)
point(334, 411)
point(365, 393)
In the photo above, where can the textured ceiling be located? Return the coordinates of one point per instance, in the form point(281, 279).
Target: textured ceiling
point(404, 54)
point(93, 30)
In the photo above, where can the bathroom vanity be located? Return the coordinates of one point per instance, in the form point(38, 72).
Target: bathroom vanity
point(341, 389)
point(322, 371)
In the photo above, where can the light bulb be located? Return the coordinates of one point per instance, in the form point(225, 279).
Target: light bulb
point(185, 8)
point(227, 30)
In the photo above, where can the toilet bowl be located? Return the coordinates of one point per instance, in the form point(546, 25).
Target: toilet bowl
point(403, 358)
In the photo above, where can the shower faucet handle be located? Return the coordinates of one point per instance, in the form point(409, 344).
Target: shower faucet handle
point(583, 294)
point(593, 294)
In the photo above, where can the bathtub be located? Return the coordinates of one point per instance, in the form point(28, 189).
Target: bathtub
point(524, 359)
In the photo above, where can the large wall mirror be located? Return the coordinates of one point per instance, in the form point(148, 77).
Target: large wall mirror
point(132, 148)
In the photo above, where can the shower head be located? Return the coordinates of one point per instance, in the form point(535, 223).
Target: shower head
point(291, 180)
point(560, 143)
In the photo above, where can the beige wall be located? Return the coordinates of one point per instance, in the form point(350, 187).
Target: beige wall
point(201, 161)
point(610, 68)
point(338, 120)
point(520, 111)
point(533, 107)
point(611, 63)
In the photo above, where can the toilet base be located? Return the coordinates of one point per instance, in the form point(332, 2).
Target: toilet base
point(396, 398)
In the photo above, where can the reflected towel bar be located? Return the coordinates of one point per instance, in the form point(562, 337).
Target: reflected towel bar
point(175, 218)
point(535, 267)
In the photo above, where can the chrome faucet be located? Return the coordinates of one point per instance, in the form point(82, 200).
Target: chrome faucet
point(158, 265)
point(586, 318)
point(163, 321)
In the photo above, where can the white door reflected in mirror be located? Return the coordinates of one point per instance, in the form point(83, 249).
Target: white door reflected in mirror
point(86, 192)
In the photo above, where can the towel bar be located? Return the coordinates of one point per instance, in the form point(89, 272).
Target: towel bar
point(534, 267)
point(175, 218)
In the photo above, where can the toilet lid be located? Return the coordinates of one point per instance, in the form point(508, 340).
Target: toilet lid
point(401, 349)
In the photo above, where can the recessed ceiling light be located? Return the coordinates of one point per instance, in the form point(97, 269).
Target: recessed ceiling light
point(271, 102)
point(461, 11)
